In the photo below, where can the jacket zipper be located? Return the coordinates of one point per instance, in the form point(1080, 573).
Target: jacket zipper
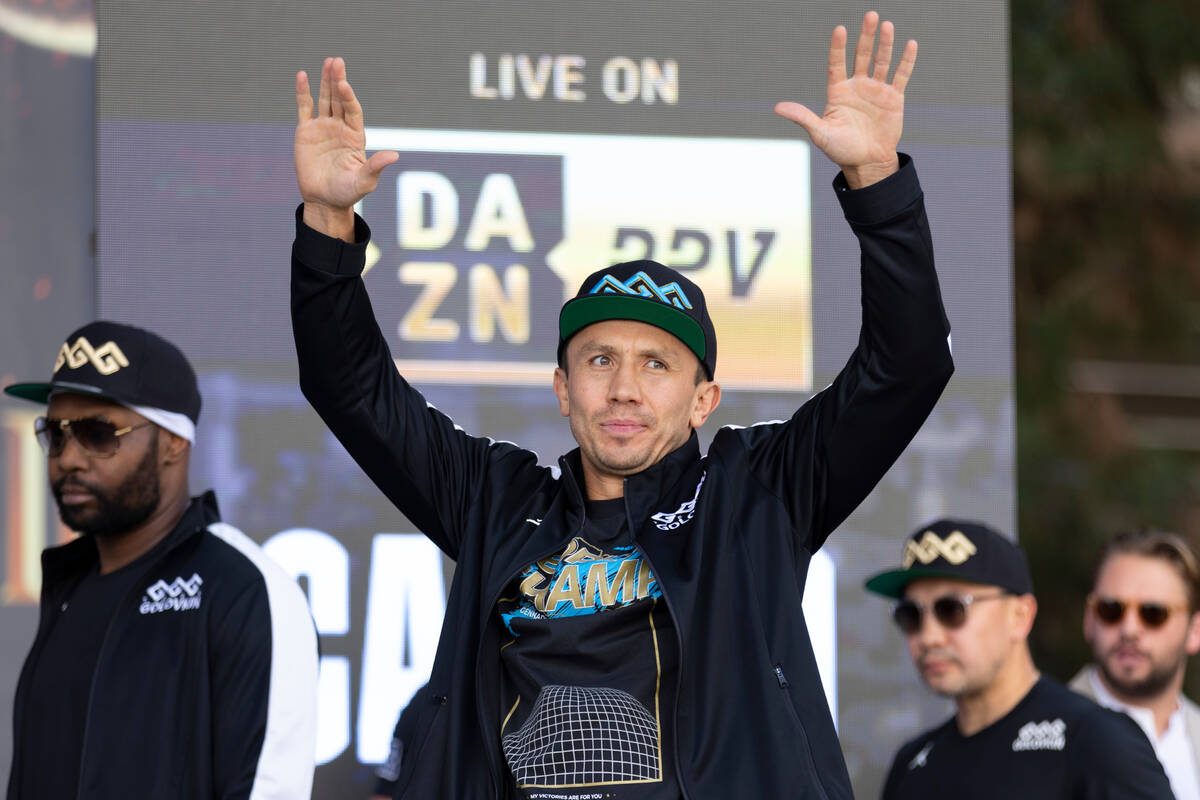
point(490, 746)
point(491, 750)
point(678, 645)
point(779, 676)
point(100, 658)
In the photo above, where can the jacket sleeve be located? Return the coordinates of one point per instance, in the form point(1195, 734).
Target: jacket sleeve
point(263, 663)
point(427, 466)
point(825, 459)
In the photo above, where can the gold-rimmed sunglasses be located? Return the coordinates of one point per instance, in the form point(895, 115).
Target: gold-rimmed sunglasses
point(97, 437)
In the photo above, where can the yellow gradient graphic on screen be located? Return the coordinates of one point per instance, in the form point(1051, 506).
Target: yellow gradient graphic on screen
point(734, 215)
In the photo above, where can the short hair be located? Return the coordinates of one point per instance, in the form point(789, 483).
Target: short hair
point(1170, 547)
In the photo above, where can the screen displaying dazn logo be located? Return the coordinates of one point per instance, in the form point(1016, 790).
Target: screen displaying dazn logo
point(463, 240)
point(479, 237)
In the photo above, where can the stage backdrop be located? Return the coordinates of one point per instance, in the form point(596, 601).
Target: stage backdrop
point(538, 142)
point(47, 285)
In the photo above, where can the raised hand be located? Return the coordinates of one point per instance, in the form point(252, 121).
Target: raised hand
point(332, 168)
point(864, 114)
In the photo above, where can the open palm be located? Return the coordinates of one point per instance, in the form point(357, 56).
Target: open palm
point(864, 113)
point(332, 168)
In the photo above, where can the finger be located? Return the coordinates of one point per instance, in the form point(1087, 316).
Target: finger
point(351, 109)
point(866, 43)
point(378, 161)
point(325, 89)
point(304, 101)
point(368, 175)
point(883, 55)
point(801, 115)
point(837, 55)
point(904, 69)
point(338, 73)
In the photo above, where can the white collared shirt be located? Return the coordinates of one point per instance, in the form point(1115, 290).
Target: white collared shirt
point(1173, 749)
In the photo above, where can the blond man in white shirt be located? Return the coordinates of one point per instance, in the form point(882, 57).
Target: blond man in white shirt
point(1142, 623)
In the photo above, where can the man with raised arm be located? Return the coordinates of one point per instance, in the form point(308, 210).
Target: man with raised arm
point(629, 624)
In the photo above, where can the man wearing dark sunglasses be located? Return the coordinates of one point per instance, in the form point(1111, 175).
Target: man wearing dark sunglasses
point(965, 604)
point(172, 657)
point(1142, 623)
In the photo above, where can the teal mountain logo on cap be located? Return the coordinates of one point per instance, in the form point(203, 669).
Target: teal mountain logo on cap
point(643, 285)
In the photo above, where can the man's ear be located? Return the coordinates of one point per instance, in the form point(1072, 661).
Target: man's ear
point(1089, 621)
point(707, 398)
point(1025, 610)
point(1192, 642)
point(173, 448)
point(560, 391)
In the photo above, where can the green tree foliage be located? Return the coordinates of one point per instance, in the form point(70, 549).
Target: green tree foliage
point(1106, 142)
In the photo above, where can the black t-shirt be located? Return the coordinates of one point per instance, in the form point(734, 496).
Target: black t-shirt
point(1053, 744)
point(61, 683)
point(589, 675)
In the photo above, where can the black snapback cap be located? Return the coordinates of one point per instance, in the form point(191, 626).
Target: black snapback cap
point(961, 550)
point(123, 363)
point(643, 291)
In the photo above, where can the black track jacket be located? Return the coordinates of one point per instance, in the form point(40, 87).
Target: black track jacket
point(206, 683)
point(729, 535)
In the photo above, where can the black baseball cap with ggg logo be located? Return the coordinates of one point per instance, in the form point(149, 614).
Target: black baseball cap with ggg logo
point(643, 291)
point(124, 363)
point(961, 550)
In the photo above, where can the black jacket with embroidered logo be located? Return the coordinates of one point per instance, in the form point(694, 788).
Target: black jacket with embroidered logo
point(751, 717)
point(205, 685)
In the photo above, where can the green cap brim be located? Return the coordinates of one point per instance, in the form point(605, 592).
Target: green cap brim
point(583, 311)
point(40, 392)
point(891, 584)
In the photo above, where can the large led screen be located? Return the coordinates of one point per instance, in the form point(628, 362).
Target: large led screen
point(539, 142)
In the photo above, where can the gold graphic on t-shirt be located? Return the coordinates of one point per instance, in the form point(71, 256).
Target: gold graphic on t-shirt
point(580, 550)
point(545, 589)
point(107, 358)
point(955, 548)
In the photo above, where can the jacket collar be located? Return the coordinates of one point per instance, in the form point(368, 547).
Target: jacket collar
point(658, 480)
point(642, 489)
point(80, 554)
point(565, 516)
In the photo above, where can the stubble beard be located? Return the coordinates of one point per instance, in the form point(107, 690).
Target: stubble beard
point(121, 509)
point(1152, 685)
point(614, 460)
point(963, 684)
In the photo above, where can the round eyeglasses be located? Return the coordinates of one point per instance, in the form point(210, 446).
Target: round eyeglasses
point(949, 610)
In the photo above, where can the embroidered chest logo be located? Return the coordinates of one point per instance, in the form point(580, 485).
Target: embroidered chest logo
point(922, 757)
point(955, 548)
point(107, 358)
point(1041, 736)
point(680, 516)
point(178, 595)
